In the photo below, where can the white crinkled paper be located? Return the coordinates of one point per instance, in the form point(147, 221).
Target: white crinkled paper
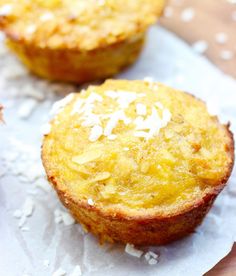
point(42, 246)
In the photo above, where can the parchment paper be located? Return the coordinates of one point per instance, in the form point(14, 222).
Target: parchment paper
point(41, 246)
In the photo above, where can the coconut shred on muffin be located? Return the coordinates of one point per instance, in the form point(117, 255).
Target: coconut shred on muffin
point(137, 162)
point(77, 40)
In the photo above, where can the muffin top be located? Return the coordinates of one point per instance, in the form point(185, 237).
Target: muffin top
point(136, 147)
point(77, 24)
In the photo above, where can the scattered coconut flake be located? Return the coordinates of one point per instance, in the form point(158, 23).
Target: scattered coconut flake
point(46, 16)
point(159, 105)
point(77, 271)
point(87, 157)
point(151, 257)
point(46, 263)
point(59, 272)
point(226, 54)
point(26, 108)
point(42, 184)
point(28, 207)
point(31, 29)
point(114, 119)
point(200, 46)
point(22, 221)
point(221, 38)
point(111, 137)
point(141, 134)
point(90, 202)
point(124, 98)
point(90, 119)
point(152, 261)
point(25, 229)
point(141, 109)
point(131, 250)
point(17, 214)
point(168, 12)
point(57, 216)
point(67, 218)
point(46, 129)
point(59, 105)
point(96, 133)
point(5, 10)
point(187, 14)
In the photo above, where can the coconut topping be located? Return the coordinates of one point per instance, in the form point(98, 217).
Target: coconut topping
point(59, 105)
point(5, 10)
point(101, 125)
point(96, 133)
point(46, 16)
point(141, 109)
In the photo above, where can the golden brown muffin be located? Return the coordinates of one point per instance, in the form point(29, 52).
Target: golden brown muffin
point(137, 162)
point(77, 40)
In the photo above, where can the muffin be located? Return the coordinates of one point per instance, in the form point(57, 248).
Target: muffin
point(137, 162)
point(77, 40)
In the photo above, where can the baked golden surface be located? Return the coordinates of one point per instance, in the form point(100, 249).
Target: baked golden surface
point(77, 40)
point(136, 161)
point(77, 24)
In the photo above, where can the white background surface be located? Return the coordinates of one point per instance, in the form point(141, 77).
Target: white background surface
point(165, 59)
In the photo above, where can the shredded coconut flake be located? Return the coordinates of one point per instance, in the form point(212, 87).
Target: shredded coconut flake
point(17, 214)
point(141, 109)
point(28, 207)
point(90, 202)
point(46, 263)
point(96, 133)
point(26, 108)
point(46, 16)
point(67, 218)
point(59, 105)
point(131, 250)
point(5, 10)
point(112, 137)
point(31, 29)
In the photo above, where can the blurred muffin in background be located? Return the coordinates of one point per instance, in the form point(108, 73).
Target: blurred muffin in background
point(77, 40)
